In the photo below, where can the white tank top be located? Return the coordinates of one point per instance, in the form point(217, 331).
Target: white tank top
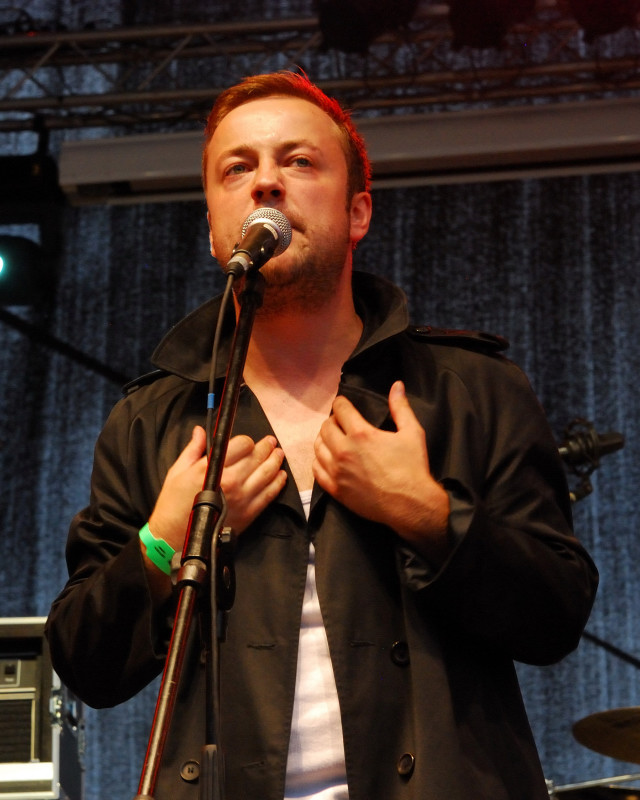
point(315, 766)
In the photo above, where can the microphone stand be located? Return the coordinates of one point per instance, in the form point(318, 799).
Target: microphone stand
point(205, 565)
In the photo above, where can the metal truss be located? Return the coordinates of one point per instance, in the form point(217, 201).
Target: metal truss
point(150, 77)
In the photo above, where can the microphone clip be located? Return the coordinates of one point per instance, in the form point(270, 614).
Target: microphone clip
point(582, 449)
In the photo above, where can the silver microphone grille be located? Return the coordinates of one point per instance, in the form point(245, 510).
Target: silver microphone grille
point(275, 218)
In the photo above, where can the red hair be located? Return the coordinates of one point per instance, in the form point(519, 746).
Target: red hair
point(292, 84)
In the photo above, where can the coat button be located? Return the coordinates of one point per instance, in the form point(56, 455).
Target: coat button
point(190, 771)
point(400, 654)
point(406, 764)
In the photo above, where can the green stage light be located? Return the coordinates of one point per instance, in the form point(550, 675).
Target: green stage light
point(25, 274)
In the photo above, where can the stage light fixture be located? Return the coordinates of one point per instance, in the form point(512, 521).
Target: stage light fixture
point(601, 17)
point(485, 23)
point(351, 25)
point(31, 203)
point(25, 272)
point(29, 179)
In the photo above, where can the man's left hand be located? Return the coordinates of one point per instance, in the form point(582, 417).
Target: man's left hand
point(382, 475)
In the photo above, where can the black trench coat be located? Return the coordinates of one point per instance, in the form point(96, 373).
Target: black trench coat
point(423, 659)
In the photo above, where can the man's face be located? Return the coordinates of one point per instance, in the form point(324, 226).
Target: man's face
point(285, 153)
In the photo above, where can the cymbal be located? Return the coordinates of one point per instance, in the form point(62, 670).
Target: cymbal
point(599, 793)
point(614, 733)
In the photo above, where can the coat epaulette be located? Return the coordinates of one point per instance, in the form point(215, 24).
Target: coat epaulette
point(472, 340)
point(143, 380)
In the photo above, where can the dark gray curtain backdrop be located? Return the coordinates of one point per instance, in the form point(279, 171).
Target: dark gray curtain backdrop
point(550, 264)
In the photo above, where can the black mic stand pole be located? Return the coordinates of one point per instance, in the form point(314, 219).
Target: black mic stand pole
point(198, 565)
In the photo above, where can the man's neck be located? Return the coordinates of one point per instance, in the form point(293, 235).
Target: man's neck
point(304, 344)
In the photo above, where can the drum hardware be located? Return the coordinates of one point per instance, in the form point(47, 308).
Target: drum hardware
point(601, 789)
point(616, 734)
point(611, 733)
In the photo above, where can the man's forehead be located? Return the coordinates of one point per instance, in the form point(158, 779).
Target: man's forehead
point(273, 109)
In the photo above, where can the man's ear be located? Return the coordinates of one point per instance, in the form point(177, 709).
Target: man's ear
point(360, 215)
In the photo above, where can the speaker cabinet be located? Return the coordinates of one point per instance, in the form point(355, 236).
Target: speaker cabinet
point(41, 722)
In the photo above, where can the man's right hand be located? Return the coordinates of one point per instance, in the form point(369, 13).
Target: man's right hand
point(251, 479)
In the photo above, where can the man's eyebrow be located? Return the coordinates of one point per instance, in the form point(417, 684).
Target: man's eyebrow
point(283, 147)
point(295, 143)
point(238, 150)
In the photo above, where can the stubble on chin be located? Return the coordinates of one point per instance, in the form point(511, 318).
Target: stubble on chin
point(306, 284)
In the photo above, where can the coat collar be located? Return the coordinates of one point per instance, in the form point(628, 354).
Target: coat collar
point(186, 349)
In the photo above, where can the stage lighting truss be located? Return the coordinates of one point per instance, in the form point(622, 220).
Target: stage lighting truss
point(147, 77)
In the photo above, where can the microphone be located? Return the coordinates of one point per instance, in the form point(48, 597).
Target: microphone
point(588, 447)
point(266, 233)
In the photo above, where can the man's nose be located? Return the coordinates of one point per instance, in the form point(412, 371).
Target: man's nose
point(268, 182)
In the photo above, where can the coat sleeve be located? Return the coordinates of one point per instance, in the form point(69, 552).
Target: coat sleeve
point(517, 580)
point(107, 639)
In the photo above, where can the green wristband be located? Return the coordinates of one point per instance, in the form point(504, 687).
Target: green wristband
point(158, 551)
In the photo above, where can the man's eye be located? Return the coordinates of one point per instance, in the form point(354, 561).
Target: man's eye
point(235, 169)
point(301, 161)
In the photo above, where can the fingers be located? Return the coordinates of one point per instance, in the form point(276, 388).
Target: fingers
point(194, 450)
point(340, 437)
point(357, 463)
point(252, 478)
point(242, 446)
point(401, 412)
point(351, 422)
point(346, 416)
point(322, 469)
point(250, 466)
point(184, 479)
